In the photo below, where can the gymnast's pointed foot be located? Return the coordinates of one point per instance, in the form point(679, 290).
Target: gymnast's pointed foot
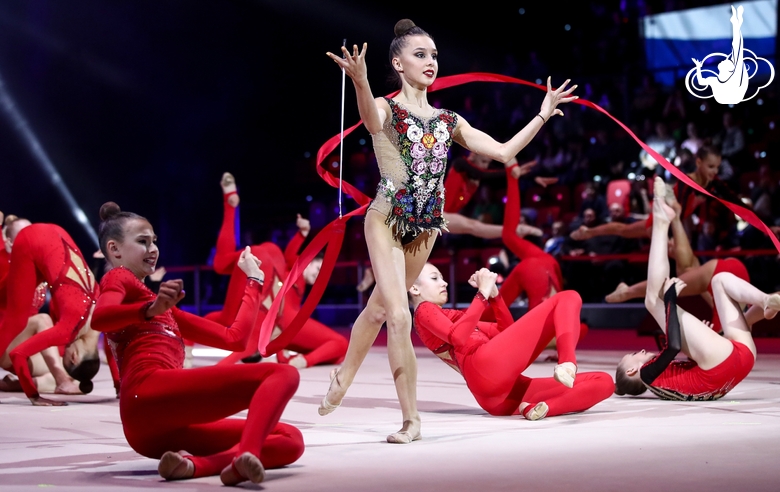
point(367, 281)
point(534, 412)
point(661, 211)
point(228, 184)
point(565, 373)
point(408, 433)
point(326, 405)
point(67, 387)
point(245, 467)
point(620, 294)
point(176, 466)
point(581, 234)
point(771, 305)
point(523, 230)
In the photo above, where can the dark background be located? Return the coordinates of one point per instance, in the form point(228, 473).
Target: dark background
point(147, 103)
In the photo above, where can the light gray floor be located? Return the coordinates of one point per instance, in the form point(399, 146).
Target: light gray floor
point(622, 444)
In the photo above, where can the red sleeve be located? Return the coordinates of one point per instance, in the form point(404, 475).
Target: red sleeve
point(291, 251)
point(111, 312)
point(234, 337)
point(456, 333)
point(501, 310)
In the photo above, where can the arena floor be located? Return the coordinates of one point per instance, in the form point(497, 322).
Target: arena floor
point(621, 444)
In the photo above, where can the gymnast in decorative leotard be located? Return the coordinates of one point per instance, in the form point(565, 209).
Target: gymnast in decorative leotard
point(492, 356)
point(411, 140)
point(165, 408)
point(46, 253)
point(315, 343)
point(716, 363)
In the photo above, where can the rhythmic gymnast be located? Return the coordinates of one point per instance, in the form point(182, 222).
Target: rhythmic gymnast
point(47, 380)
point(316, 343)
point(708, 160)
point(717, 363)
point(46, 253)
point(165, 408)
point(492, 356)
point(411, 140)
point(696, 277)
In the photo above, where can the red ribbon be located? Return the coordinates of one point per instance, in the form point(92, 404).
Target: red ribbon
point(332, 235)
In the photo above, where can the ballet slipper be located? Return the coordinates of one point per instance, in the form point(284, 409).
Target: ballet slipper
point(327, 407)
point(661, 211)
point(367, 281)
point(228, 184)
point(771, 306)
point(188, 357)
point(404, 436)
point(175, 466)
point(618, 295)
point(565, 373)
point(523, 230)
point(581, 234)
point(299, 361)
point(535, 412)
point(245, 467)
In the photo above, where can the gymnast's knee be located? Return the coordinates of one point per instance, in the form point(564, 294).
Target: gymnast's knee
point(285, 376)
point(570, 297)
point(399, 321)
point(719, 279)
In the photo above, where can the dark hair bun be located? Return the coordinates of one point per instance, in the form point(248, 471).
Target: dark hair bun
point(108, 210)
point(86, 386)
point(402, 27)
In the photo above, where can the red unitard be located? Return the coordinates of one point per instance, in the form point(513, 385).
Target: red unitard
point(167, 408)
point(317, 343)
point(492, 356)
point(538, 274)
point(45, 253)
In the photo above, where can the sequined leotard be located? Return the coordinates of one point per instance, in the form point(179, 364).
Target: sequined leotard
point(412, 155)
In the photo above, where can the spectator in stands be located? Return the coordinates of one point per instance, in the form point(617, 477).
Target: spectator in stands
point(554, 245)
point(731, 139)
point(692, 142)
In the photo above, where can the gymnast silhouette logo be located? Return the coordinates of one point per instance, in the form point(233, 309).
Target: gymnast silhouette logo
point(730, 84)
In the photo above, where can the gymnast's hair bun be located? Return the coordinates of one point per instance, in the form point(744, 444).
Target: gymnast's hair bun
point(402, 27)
point(108, 210)
point(10, 219)
point(86, 386)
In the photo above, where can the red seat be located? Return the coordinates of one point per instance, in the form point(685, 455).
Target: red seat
point(560, 196)
point(618, 191)
point(577, 196)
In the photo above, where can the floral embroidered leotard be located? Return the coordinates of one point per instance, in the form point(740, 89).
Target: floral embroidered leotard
point(412, 155)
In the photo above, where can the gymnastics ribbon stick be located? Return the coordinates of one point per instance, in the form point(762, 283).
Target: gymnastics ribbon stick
point(363, 200)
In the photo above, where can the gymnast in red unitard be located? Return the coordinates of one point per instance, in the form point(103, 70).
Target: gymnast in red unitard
point(48, 374)
point(315, 343)
point(166, 409)
point(716, 363)
point(46, 253)
point(492, 356)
